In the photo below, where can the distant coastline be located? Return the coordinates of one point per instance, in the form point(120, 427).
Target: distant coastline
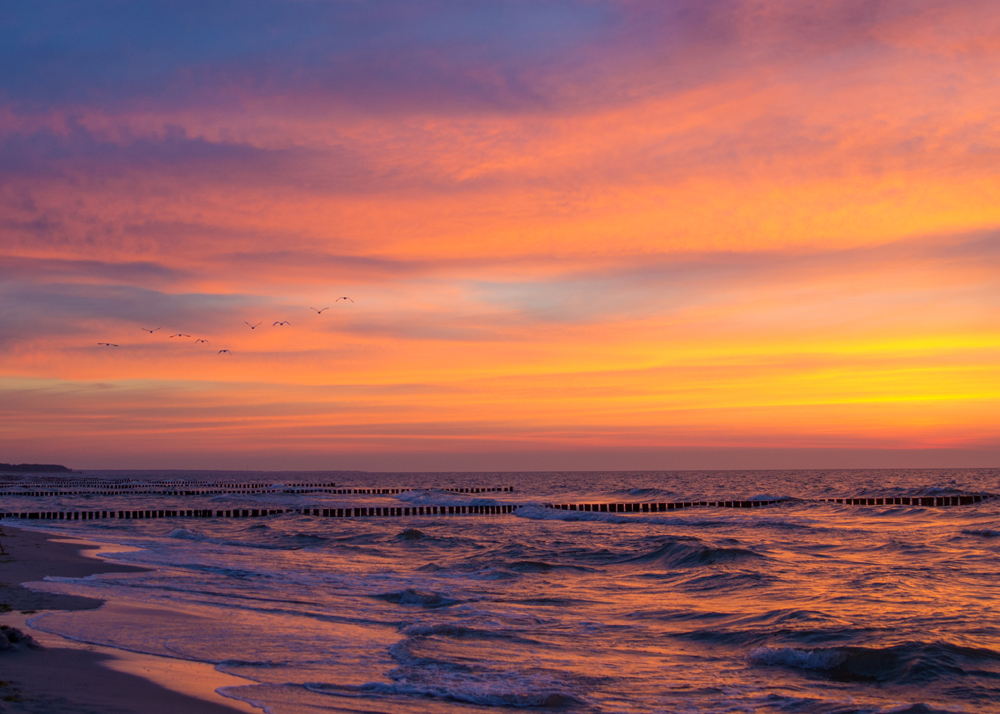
point(34, 469)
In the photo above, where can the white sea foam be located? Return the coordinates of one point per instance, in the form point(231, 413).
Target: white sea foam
point(436, 497)
point(984, 532)
point(796, 658)
point(492, 694)
point(695, 516)
point(185, 534)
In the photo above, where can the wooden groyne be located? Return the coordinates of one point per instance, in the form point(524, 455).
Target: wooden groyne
point(644, 507)
point(352, 512)
point(48, 490)
point(480, 510)
point(925, 501)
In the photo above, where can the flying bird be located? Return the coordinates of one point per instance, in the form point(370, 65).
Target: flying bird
point(150, 331)
point(107, 344)
point(343, 298)
point(319, 312)
point(281, 322)
point(226, 351)
point(197, 341)
point(180, 334)
point(252, 327)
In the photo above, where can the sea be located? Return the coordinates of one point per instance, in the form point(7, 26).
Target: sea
point(801, 606)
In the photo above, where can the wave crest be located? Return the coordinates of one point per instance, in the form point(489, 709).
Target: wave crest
point(417, 598)
point(911, 663)
point(687, 554)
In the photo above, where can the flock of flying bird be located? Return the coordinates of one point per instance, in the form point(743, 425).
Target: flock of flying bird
point(277, 323)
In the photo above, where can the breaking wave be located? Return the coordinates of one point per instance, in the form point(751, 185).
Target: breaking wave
point(910, 663)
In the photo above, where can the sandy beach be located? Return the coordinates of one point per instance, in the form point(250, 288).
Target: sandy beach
point(62, 677)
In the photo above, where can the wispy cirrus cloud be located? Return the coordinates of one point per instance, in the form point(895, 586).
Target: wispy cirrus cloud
point(441, 56)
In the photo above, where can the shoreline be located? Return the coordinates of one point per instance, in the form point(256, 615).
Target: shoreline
point(68, 676)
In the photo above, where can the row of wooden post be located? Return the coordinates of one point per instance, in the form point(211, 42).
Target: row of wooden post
point(927, 501)
point(653, 507)
point(203, 492)
point(931, 501)
point(494, 509)
point(396, 511)
point(359, 512)
point(199, 492)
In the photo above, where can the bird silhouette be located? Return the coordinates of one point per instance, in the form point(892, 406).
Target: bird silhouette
point(226, 351)
point(180, 334)
point(107, 344)
point(252, 327)
point(319, 312)
point(150, 331)
point(197, 341)
point(343, 298)
point(281, 322)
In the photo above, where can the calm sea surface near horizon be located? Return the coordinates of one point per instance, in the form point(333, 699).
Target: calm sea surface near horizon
point(798, 607)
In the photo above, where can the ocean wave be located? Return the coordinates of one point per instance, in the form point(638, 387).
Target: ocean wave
point(797, 659)
point(982, 532)
point(185, 534)
point(472, 570)
point(664, 615)
point(551, 601)
point(488, 695)
point(501, 571)
point(417, 598)
point(775, 618)
point(539, 566)
point(236, 664)
point(910, 663)
point(690, 553)
point(709, 580)
point(948, 490)
point(694, 517)
point(541, 513)
point(434, 497)
point(771, 497)
point(416, 537)
point(800, 523)
point(643, 492)
point(531, 566)
point(296, 541)
point(803, 634)
point(458, 632)
point(919, 491)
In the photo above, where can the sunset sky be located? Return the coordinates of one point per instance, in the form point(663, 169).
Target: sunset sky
point(590, 234)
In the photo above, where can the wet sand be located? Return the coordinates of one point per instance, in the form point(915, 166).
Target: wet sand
point(32, 556)
point(69, 677)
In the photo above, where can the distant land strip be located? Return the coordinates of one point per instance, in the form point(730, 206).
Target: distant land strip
point(35, 469)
